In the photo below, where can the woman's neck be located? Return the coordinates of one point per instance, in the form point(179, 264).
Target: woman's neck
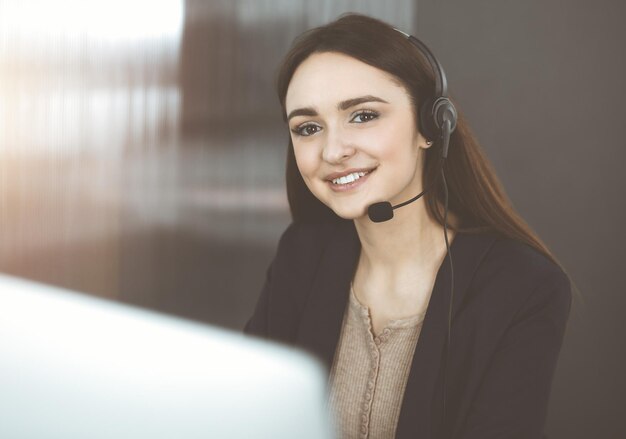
point(399, 262)
point(410, 240)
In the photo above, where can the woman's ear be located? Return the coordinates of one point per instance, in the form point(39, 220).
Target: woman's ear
point(422, 142)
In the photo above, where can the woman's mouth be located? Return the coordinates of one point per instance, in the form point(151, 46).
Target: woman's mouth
point(349, 181)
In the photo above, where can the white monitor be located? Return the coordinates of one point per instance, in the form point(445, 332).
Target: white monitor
point(76, 367)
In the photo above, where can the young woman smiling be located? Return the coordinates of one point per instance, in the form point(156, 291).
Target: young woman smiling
point(371, 300)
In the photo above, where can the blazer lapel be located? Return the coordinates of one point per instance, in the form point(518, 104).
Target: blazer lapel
point(320, 324)
point(467, 252)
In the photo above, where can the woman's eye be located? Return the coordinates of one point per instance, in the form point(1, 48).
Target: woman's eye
point(365, 116)
point(305, 130)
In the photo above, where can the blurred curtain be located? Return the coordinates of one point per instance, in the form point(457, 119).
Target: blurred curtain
point(89, 109)
point(142, 148)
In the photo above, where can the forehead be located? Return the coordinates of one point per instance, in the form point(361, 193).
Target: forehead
point(324, 79)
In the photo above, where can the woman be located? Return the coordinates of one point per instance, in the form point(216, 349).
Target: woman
point(405, 357)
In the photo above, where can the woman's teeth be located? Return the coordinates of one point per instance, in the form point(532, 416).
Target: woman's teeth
point(349, 178)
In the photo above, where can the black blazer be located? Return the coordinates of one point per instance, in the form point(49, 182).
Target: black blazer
point(510, 310)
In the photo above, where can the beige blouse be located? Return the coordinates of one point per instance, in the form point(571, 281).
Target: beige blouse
point(369, 373)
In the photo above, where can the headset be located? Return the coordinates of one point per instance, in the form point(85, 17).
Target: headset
point(438, 117)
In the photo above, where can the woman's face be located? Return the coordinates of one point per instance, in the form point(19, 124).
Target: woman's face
point(353, 133)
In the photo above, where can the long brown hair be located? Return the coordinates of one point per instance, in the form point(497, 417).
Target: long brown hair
point(476, 197)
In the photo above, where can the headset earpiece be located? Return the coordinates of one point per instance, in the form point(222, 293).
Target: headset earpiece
point(433, 114)
point(438, 109)
point(443, 110)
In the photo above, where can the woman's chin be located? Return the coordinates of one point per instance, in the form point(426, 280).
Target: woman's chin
point(350, 213)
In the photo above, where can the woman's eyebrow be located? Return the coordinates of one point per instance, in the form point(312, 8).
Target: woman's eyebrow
point(307, 111)
point(343, 105)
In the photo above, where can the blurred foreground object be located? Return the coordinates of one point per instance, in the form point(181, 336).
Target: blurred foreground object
point(73, 366)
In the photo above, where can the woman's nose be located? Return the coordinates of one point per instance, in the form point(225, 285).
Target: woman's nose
point(337, 148)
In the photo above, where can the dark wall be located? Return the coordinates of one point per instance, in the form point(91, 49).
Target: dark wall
point(541, 83)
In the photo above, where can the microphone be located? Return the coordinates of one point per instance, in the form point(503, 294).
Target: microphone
point(380, 212)
point(383, 210)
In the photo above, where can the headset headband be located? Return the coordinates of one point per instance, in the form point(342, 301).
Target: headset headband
point(441, 84)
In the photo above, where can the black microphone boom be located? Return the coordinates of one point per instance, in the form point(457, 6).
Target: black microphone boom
point(383, 210)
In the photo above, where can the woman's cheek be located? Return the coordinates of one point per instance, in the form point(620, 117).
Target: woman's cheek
point(306, 159)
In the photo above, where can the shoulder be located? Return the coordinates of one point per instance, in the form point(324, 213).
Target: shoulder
point(301, 242)
point(300, 250)
point(306, 234)
point(514, 275)
point(514, 261)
